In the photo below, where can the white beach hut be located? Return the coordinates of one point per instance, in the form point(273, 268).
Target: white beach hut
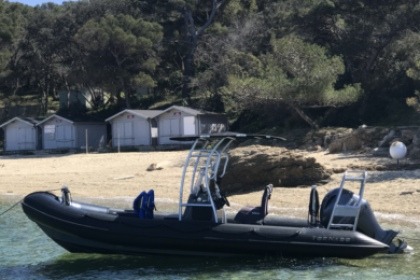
point(131, 128)
point(184, 121)
point(20, 134)
point(61, 133)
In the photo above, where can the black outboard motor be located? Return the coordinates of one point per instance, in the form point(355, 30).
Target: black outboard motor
point(367, 223)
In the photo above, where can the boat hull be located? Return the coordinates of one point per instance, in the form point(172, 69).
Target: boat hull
point(100, 230)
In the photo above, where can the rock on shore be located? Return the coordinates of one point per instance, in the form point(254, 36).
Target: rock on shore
point(253, 167)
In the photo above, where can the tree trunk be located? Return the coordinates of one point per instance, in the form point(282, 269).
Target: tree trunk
point(16, 86)
point(188, 60)
point(192, 35)
point(188, 75)
point(291, 105)
point(304, 116)
point(44, 101)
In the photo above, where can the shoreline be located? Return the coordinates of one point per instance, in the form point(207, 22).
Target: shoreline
point(112, 175)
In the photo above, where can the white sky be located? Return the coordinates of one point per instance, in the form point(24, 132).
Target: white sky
point(33, 3)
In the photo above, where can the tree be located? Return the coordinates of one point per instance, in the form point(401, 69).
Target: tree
point(193, 15)
point(296, 73)
point(236, 34)
point(13, 18)
point(40, 61)
point(366, 35)
point(120, 51)
point(411, 46)
point(219, 55)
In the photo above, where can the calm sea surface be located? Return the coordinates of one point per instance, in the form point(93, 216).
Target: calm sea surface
point(27, 253)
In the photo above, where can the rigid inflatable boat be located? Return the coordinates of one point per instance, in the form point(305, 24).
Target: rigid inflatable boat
point(343, 225)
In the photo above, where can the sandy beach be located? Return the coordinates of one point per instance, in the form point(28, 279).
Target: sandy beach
point(114, 175)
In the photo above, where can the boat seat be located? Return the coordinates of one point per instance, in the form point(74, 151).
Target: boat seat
point(144, 204)
point(255, 215)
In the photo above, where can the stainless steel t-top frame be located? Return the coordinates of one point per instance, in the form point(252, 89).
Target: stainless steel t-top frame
point(208, 159)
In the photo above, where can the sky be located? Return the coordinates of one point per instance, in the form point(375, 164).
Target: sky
point(38, 2)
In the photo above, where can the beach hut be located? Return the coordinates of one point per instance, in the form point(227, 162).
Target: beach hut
point(131, 128)
point(20, 134)
point(62, 133)
point(184, 121)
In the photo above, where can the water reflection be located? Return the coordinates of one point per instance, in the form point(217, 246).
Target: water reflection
point(130, 267)
point(125, 267)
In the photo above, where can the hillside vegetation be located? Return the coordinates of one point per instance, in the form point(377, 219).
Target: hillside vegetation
point(264, 63)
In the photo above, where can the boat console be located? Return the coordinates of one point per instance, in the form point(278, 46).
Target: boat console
point(204, 168)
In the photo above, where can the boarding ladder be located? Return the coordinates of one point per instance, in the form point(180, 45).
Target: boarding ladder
point(208, 159)
point(343, 213)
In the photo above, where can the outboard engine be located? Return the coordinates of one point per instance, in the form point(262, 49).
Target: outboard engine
point(367, 223)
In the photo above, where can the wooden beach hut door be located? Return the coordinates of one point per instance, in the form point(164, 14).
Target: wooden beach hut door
point(189, 125)
point(123, 134)
point(171, 127)
point(64, 136)
point(26, 138)
point(20, 138)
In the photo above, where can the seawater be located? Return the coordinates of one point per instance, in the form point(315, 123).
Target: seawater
point(27, 253)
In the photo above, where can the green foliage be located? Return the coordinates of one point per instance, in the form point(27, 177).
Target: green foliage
point(125, 48)
point(414, 101)
point(410, 45)
point(295, 72)
point(344, 96)
point(300, 54)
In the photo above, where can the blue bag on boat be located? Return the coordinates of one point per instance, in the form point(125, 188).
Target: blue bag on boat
point(144, 204)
